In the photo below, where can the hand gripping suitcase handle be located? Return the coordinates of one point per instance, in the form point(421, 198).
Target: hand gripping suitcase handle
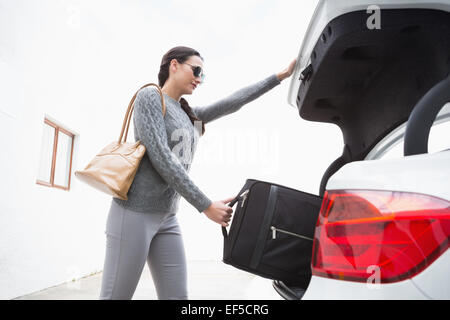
point(231, 204)
point(245, 189)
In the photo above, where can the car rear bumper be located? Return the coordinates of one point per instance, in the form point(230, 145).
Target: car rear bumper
point(331, 289)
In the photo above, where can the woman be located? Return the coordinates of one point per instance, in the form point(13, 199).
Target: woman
point(145, 227)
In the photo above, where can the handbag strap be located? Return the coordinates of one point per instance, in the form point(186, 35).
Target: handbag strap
point(127, 119)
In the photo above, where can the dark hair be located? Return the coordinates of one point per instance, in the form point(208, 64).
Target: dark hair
point(181, 54)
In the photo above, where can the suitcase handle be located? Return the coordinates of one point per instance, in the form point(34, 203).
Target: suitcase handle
point(230, 204)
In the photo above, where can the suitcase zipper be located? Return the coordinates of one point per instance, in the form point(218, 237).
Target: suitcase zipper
point(232, 234)
point(274, 233)
point(244, 197)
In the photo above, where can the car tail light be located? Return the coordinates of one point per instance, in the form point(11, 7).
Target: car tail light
point(397, 232)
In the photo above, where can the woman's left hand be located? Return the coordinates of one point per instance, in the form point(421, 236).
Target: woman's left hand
point(286, 73)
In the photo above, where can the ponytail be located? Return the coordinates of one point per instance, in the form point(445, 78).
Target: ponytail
point(190, 113)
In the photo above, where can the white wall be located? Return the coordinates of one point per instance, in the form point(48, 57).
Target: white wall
point(80, 62)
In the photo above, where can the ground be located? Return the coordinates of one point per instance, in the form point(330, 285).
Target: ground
point(206, 280)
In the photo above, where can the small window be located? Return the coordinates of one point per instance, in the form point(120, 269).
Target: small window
point(438, 140)
point(394, 152)
point(55, 164)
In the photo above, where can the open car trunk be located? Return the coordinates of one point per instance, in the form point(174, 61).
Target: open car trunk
point(367, 81)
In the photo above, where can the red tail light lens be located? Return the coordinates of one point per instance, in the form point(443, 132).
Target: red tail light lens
point(399, 233)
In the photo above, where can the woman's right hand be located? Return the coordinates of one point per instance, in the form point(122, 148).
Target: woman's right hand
point(219, 212)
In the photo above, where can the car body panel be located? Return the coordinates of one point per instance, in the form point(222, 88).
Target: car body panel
point(432, 283)
point(434, 280)
point(324, 288)
point(426, 174)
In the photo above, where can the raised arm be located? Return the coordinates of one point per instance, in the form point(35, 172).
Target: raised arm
point(235, 101)
point(149, 123)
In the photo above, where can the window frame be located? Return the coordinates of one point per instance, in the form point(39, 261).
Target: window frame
point(55, 147)
point(397, 135)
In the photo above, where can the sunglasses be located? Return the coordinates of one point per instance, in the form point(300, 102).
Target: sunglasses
point(198, 71)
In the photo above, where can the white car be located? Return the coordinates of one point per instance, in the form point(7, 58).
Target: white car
point(380, 71)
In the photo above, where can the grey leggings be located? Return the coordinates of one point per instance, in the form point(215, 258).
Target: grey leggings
point(133, 238)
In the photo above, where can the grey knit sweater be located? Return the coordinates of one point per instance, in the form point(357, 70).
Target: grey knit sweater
point(171, 141)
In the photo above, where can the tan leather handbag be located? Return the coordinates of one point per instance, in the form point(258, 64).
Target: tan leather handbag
point(114, 168)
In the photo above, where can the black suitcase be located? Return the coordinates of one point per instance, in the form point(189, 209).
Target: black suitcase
point(271, 234)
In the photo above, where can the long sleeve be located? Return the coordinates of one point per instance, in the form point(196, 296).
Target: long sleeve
point(236, 100)
point(150, 126)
